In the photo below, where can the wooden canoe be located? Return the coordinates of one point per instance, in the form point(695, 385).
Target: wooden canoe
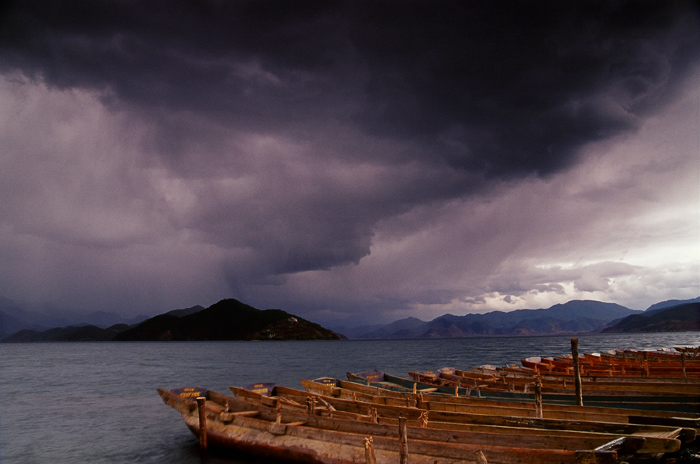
point(524, 432)
point(565, 386)
point(350, 389)
point(677, 403)
point(271, 432)
point(527, 373)
point(597, 362)
point(519, 376)
point(641, 367)
point(666, 355)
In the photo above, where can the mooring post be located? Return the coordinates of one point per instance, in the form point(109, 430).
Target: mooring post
point(311, 406)
point(577, 371)
point(369, 451)
point(201, 408)
point(403, 441)
point(538, 399)
point(480, 458)
point(423, 419)
point(645, 365)
point(372, 415)
point(685, 376)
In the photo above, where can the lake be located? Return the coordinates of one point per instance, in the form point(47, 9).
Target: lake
point(97, 402)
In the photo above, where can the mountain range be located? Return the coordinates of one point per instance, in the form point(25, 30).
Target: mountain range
point(15, 317)
point(577, 316)
point(233, 320)
point(681, 317)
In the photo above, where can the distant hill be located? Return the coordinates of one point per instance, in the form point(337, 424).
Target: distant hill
point(15, 317)
point(85, 333)
point(354, 332)
point(655, 308)
point(186, 311)
point(10, 324)
point(577, 316)
point(679, 318)
point(79, 333)
point(386, 331)
point(11, 320)
point(228, 320)
point(104, 319)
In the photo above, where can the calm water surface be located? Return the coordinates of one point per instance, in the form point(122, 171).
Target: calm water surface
point(97, 402)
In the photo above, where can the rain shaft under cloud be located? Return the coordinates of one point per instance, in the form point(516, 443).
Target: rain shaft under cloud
point(340, 158)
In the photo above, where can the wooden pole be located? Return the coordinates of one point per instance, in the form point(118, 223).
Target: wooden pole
point(403, 441)
point(480, 458)
point(201, 408)
point(645, 365)
point(538, 399)
point(423, 419)
point(372, 415)
point(369, 451)
point(311, 406)
point(577, 372)
point(685, 376)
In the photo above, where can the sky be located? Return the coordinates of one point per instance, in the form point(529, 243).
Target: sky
point(349, 161)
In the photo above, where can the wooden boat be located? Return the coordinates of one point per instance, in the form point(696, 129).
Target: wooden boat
point(679, 403)
point(431, 402)
point(644, 362)
point(400, 384)
point(267, 430)
point(551, 385)
point(519, 375)
point(615, 366)
point(527, 373)
point(563, 434)
point(690, 352)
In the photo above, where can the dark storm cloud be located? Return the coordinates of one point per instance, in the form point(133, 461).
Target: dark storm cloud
point(502, 88)
point(194, 56)
point(518, 87)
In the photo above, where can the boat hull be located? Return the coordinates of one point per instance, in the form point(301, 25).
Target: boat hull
point(313, 439)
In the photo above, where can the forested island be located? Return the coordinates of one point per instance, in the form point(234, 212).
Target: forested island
point(226, 320)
